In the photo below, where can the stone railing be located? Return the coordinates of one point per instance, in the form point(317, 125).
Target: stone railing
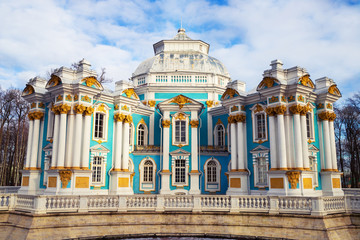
point(189, 203)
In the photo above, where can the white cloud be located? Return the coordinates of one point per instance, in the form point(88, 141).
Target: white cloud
point(322, 36)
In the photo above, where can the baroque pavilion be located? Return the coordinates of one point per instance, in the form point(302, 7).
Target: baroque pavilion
point(181, 126)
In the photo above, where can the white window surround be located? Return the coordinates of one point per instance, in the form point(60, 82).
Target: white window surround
point(131, 137)
point(180, 116)
point(181, 155)
point(260, 153)
point(311, 122)
point(313, 163)
point(101, 108)
point(147, 185)
point(257, 110)
point(50, 125)
point(99, 151)
point(47, 161)
point(228, 131)
point(145, 132)
point(212, 186)
point(217, 137)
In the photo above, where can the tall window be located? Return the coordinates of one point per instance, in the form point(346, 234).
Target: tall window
point(219, 136)
point(99, 125)
point(211, 172)
point(148, 172)
point(180, 171)
point(308, 125)
point(262, 171)
point(180, 131)
point(141, 135)
point(97, 169)
point(260, 126)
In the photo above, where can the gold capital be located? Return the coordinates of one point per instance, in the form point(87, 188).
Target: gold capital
point(194, 123)
point(166, 123)
point(127, 119)
point(79, 108)
point(119, 117)
point(63, 108)
point(293, 178)
point(89, 111)
point(280, 110)
point(65, 176)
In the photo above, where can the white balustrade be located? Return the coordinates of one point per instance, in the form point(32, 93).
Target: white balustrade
point(179, 202)
point(103, 203)
point(355, 203)
point(254, 203)
point(62, 203)
point(215, 203)
point(4, 202)
point(334, 204)
point(295, 204)
point(141, 202)
point(25, 202)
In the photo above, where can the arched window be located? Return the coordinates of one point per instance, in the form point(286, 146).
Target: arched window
point(212, 175)
point(148, 171)
point(219, 135)
point(141, 135)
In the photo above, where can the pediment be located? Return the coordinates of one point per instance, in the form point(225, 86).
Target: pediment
point(179, 151)
point(313, 148)
point(260, 148)
point(180, 101)
point(48, 147)
point(99, 148)
point(229, 93)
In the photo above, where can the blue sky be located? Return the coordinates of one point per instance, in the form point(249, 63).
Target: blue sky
point(322, 36)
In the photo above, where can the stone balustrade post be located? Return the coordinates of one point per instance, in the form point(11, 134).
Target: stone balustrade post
point(234, 204)
point(318, 207)
point(348, 207)
point(160, 203)
point(122, 204)
point(274, 205)
point(12, 201)
point(197, 203)
point(40, 204)
point(83, 206)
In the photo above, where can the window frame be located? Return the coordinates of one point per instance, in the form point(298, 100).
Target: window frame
point(147, 185)
point(101, 108)
point(180, 117)
point(310, 126)
point(216, 136)
point(258, 153)
point(258, 110)
point(99, 151)
point(186, 166)
point(212, 186)
point(145, 135)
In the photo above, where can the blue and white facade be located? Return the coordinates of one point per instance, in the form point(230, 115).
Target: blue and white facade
point(181, 126)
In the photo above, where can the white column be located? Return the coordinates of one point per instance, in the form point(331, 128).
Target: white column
point(210, 129)
point(333, 144)
point(69, 141)
point(77, 139)
point(304, 145)
point(86, 139)
point(62, 141)
point(327, 145)
point(289, 141)
point(55, 140)
point(194, 142)
point(273, 150)
point(29, 143)
point(166, 140)
point(233, 146)
point(245, 145)
point(125, 144)
point(40, 148)
point(35, 144)
point(240, 146)
point(299, 164)
point(281, 141)
point(118, 144)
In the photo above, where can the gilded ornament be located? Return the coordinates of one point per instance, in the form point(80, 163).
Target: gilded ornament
point(320, 106)
point(79, 108)
point(232, 119)
point(332, 116)
point(280, 110)
point(180, 116)
point(242, 108)
point(41, 105)
point(209, 103)
point(270, 111)
point(64, 108)
point(30, 116)
point(234, 108)
point(334, 90)
point(329, 106)
point(291, 98)
point(85, 99)
point(33, 105)
point(180, 100)
point(166, 123)
point(130, 92)
point(327, 116)
point(260, 141)
point(283, 98)
point(76, 97)
point(68, 98)
point(273, 99)
point(125, 108)
point(267, 82)
point(59, 98)
point(258, 108)
point(142, 121)
point(296, 109)
point(151, 103)
point(91, 81)
point(128, 119)
point(28, 90)
point(101, 108)
point(89, 111)
point(65, 176)
point(230, 93)
point(240, 118)
point(300, 98)
point(306, 81)
point(293, 178)
point(116, 107)
point(305, 110)
point(37, 115)
point(144, 102)
point(119, 117)
point(55, 110)
point(194, 123)
point(99, 141)
point(219, 121)
point(54, 81)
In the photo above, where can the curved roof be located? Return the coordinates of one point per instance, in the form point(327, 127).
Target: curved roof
point(185, 61)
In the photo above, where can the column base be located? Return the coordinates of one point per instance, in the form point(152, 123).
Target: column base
point(165, 182)
point(120, 183)
point(238, 183)
point(194, 183)
point(331, 183)
point(30, 182)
